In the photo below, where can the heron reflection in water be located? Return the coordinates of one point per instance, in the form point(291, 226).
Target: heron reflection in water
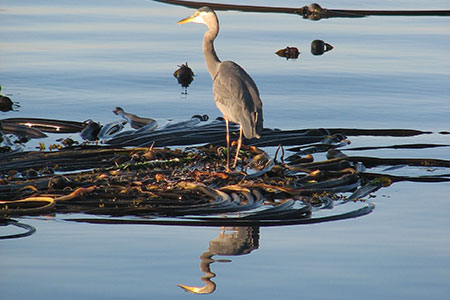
point(235, 92)
point(231, 241)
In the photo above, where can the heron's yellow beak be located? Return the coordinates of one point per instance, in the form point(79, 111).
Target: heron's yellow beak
point(188, 19)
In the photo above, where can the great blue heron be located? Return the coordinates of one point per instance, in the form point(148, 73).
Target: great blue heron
point(235, 92)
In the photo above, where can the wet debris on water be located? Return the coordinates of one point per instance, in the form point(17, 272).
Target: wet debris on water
point(38, 126)
point(194, 120)
point(314, 12)
point(184, 75)
point(111, 129)
point(94, 131)
point(319, 47)
point(67, 142)
point(29, 230)
point(135, 121)
point(334, 153)
point(288, 52)
point(91, 130)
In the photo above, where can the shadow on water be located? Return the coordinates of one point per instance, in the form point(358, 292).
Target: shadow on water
point(312, 12)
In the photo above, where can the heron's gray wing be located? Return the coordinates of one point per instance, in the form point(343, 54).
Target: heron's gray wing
point(237, 97)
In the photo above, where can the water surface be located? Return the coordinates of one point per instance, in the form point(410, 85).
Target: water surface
point(78, 60)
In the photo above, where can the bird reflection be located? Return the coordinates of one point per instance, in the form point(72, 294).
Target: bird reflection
point(231, 241)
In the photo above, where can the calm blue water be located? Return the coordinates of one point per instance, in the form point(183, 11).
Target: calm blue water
point(78, 60)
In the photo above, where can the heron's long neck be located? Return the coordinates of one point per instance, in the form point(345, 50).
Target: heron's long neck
point(212, 61)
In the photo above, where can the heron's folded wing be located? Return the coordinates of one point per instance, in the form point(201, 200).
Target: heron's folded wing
point(235, 92)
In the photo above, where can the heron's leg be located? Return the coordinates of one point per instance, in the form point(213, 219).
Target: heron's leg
point(228, 146)
point(238, 148)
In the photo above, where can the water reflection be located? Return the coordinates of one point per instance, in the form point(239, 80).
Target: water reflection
point(232, 241)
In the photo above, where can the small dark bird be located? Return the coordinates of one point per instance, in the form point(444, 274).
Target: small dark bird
point(6, 104)
point(184, 75)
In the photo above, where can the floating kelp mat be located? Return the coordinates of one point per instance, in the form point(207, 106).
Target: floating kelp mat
point(189, 186)
point(121, 177)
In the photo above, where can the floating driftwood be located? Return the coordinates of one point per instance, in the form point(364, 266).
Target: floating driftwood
point(312, 11)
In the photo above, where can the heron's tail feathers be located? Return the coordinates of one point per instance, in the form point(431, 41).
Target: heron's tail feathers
point(253, 128)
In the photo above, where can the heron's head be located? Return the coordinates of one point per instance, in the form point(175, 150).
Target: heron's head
point(203, 15)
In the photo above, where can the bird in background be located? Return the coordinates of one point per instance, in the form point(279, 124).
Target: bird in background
point(235, 92)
